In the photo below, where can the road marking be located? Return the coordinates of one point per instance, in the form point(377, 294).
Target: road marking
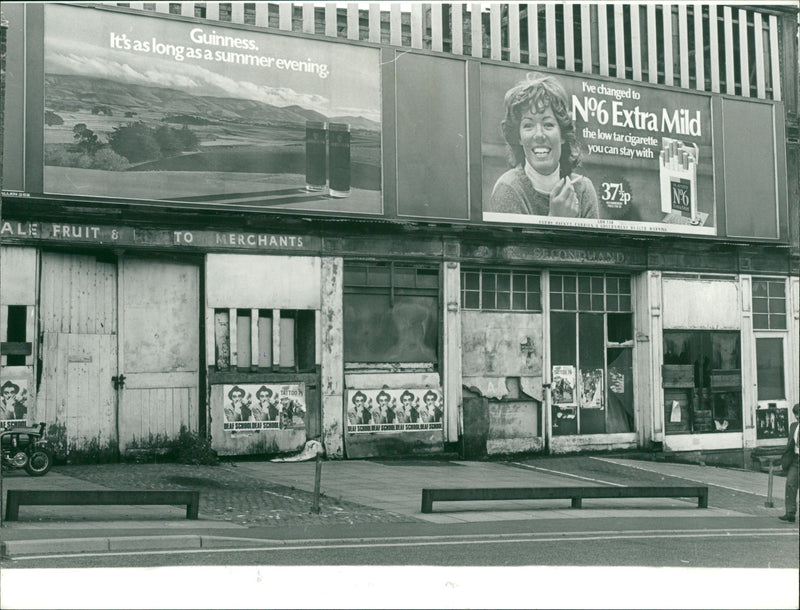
point(677, 476)
point(423, 543)
point(567, 474)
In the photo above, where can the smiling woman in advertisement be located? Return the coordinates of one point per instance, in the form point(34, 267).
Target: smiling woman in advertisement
point(544, 151)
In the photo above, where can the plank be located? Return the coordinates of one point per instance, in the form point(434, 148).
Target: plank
point(586, 38)
point(699, 53)
point(730, 80)
point(774, 52)
point(550, 35)
point(513, 33)
point(744, 58)
point(602, 39)
point(758, 41)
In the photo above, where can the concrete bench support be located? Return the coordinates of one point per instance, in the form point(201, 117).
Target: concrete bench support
point(575, 494)
point(17, 497)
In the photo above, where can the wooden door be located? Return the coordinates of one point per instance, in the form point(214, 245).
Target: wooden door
point(78, 349)
point(159, 351)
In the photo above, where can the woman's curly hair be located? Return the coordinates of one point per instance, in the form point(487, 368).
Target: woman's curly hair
point(539, 92)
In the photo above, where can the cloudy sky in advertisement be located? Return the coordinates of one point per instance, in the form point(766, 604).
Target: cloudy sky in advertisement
point(201, 59)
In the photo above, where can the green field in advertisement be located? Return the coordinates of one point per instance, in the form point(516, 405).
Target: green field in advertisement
point(571, 151)
point(156, 109)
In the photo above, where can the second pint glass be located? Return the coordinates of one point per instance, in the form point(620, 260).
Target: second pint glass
point(339, 159)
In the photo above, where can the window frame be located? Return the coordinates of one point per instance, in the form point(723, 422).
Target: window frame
point(768, 300)
point(495, 273)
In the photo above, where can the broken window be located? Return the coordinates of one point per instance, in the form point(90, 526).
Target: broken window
point(391, 314)
point(591, 342)
point(17, 347)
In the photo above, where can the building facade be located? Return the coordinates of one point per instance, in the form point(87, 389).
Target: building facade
point(273, 222)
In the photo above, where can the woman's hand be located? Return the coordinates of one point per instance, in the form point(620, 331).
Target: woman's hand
point(563, 200)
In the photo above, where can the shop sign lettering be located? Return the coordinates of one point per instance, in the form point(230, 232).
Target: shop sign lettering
point(128, 236)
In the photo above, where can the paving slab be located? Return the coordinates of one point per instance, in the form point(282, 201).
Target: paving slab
point(747, 481)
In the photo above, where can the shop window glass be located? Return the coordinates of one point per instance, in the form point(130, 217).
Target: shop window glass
point(489, 290)
point(591, 353)
point(769, 367)
point(391, 313)
point(702, 382)
point(769, 304)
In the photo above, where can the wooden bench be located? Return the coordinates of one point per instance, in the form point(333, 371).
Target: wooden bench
point(576, 494)
point(17, 497)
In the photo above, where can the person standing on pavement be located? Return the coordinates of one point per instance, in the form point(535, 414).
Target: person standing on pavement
point(790, 462)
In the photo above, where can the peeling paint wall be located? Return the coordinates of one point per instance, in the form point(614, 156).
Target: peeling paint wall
point(513, 427)
point(249, 281)
point(332, 358)
point(502, 365)
point(686, 304)
point(600, 442)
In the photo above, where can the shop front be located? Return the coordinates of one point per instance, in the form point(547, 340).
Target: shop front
point(262, 346)
point(701, 375)
point(592, 357)
point(392, 329)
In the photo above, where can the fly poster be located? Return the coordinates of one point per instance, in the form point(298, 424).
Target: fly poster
point(158, 109)
point(13, 402)
point(571, 151)
point(395, 410)
point(269, 406)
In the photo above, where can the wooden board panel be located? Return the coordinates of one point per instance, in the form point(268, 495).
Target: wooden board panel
point(550, 35)
point(744, 63)
point(619, 39)
point(160, 340)
point(683, 44)
point(495, 35)
point(699, 55)
point(713, 44)
point(774, 51)
point(602, 39)
point(759, 49)
point(513, 33)
point(586, 38)
point(730, 81)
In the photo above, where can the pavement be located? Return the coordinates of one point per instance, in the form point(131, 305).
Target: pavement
point(247, 502)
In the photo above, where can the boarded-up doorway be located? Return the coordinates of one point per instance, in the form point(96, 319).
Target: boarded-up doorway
point(78, 350)
point(159, 355)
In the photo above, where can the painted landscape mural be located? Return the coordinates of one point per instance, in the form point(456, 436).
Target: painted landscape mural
point(156, 109)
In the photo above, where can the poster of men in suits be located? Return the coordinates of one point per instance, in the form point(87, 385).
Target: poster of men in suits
point(269, 406)
point(13, 402)
point(394, 410)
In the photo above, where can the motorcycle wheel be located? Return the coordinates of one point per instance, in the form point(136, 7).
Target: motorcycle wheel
point(39, 462)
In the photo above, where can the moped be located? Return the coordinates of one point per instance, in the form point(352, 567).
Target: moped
point(25, 447)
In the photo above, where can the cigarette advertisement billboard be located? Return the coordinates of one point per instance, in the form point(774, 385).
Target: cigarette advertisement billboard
point(572, 151)
point(159, 109)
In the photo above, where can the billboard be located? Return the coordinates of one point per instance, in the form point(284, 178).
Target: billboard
point(155, 109)
point(564, 150)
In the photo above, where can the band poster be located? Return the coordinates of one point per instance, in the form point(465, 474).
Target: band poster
point(13, 402)
point(563, 392)
point(592, 395)
point(394, 410)
point(269, 406)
